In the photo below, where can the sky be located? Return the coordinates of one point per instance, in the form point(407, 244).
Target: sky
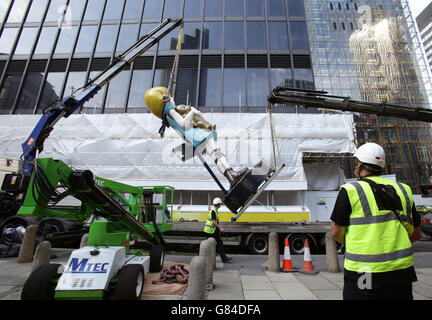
point(417, 6)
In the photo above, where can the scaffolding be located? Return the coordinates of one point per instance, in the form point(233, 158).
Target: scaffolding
point(386, 71)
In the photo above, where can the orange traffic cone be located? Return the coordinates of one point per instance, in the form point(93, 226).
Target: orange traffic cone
point(287, 263)
point(308, 268)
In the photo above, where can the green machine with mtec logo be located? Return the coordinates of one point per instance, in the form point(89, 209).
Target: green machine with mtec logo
point(125, 238)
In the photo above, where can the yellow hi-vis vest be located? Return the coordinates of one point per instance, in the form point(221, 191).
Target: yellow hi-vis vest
point(209, 227)
point(375, 240)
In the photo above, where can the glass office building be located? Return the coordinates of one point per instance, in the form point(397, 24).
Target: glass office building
point(233, 52)
point(369, 50)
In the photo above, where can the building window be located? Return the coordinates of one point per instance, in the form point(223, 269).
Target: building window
point(210, 88)
point(276, 8)
point(304, 79)
point(52, 90)
point(46, 40)
point(27, 101)
point(281, 77)
point(212, 35)
point(55, 10)
point(233, 8)
point(234, 88)
point(116, 94)
point(133, 9)
point(141, 81)
point(169, 42)
point(107, 37)
point(257, 85)
point(186, 87)
point(193, 8)
point(278, 35)
point(295, 8)
point(191, 35)
point(234, 35)
point(17, 12)
point(256, 36)
point(173, 9)
point(299, 35)
point(113, 9)
point(26, 41)
point(94, 105)
point(213, 8)
point(153, 9)
point(7, 39)
point(36, 11)
point(254, 8)
point(74, 82)
point(66, 40)
point(86, 39)
point(76, 9)
point(94, 10)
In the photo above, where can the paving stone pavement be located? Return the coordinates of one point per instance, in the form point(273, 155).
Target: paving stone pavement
point(244, 279)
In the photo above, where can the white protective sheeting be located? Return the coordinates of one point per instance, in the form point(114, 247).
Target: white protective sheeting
point(127, 147)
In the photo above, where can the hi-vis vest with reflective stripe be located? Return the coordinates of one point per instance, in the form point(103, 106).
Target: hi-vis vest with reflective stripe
point(376, 241)
point(209, 227)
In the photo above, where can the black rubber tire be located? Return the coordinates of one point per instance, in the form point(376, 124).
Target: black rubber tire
point(297, 243)
point(128, 282)
point(157, 258)
point(258, 243)
point(39, 285)
point(56, 226)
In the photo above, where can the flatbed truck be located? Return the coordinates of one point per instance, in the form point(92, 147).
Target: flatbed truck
point(254, 235)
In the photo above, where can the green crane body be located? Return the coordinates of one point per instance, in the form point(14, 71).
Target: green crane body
point(127, 210)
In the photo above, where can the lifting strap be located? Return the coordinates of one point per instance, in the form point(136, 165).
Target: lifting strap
point(172, 81)
point(174, 71)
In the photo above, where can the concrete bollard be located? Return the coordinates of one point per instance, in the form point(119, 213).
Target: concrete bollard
point(213, 251)
point(196, 289)
point(84, 240)
point(331, 253)
point(273, 258)
point(42, 255)
point(206, 252)
point(27, 245)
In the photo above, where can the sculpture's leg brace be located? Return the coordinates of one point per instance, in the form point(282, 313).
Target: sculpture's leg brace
point(215, 152)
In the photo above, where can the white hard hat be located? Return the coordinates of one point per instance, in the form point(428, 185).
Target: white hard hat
point(371, 153)
point(217, 201)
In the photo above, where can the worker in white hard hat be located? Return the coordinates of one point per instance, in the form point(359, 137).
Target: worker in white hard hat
point(192, 127)
point(377, 221)
point(214, 229)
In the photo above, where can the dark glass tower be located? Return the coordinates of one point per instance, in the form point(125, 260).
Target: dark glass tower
point(233, 52)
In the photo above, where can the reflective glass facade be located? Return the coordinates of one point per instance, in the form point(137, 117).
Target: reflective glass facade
point(424, 23)
point(233, 52)
point(369, 50)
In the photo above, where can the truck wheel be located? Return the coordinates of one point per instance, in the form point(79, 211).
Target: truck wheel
point(157, 258)
point(41, 283)
point(52, 226)
point(130, 282)
point(297, 243)
point(258, 243)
